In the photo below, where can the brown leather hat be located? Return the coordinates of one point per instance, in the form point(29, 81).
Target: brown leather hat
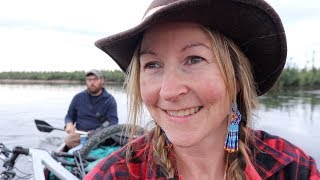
point(252, 24)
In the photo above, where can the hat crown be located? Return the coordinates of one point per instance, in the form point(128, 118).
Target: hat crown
point(94, 72)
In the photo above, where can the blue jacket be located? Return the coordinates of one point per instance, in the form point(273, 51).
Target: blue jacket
point(90, 112)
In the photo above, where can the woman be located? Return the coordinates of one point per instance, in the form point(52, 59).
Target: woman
point(198, 67)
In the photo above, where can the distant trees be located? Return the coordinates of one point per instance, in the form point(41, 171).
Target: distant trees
point(299, 78)
point(116, 76)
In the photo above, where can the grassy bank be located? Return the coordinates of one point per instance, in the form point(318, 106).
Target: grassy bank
point(290, 78)
point(115, 76)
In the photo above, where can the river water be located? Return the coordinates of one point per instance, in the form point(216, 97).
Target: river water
point(293, 115)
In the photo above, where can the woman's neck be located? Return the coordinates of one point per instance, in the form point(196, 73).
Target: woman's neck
point(203, 161)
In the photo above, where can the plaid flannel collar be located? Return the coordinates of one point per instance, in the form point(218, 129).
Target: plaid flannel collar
point(267, 159)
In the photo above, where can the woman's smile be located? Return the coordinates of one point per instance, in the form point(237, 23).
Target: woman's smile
point(184, 112)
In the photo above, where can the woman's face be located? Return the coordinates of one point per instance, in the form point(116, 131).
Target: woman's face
point(181, 84)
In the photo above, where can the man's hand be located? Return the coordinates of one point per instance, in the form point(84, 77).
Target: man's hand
point(70, 128)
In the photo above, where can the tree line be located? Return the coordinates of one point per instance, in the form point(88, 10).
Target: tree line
point(291, 77)
point(116, 76)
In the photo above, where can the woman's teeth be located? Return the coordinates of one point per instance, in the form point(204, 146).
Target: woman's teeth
point(184, 112)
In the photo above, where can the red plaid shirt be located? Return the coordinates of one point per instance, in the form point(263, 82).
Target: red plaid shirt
point(275, 158)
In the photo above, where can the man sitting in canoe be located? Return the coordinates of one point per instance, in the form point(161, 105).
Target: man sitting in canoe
point(90, 109)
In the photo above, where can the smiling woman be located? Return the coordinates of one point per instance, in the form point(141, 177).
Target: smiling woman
point(199, 72)
point(182, 86)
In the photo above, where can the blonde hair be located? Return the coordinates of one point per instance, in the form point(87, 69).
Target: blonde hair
point(237, 74)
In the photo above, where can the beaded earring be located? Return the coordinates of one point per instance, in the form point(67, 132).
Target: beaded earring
point(232, 140)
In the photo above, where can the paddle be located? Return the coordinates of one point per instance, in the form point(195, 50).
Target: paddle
point(45, 127)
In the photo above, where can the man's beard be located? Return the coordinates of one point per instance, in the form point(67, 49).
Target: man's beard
point(93, 90)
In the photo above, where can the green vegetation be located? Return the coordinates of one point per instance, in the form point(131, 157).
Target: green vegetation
point(290, 78)
point(115, 76)
point(299, 78)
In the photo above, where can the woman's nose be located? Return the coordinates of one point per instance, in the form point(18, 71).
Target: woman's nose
point(173, 85)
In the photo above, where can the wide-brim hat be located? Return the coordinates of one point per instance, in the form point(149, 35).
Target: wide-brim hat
point(252, 24)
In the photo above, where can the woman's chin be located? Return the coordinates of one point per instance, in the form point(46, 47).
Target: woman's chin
point(184, 142)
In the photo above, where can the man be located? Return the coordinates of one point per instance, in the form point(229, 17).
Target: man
point(90, 108)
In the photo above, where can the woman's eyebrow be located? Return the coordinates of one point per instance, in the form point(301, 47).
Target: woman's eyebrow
point(188, 46)
point(147, 51)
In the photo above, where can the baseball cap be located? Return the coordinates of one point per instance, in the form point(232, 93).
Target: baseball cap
point(94, 72)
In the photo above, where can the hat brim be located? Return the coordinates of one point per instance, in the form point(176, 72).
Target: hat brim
point(253, 25)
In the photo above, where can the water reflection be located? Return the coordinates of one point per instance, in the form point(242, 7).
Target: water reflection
point(289, 101)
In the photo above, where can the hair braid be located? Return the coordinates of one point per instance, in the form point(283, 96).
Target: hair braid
point(162, 153)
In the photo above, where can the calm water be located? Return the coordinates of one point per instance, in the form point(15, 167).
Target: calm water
point(294, 116)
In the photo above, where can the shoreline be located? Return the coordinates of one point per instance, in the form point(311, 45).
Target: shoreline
point(29, 81)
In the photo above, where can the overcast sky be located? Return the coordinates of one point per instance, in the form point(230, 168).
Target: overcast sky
point(42, 35)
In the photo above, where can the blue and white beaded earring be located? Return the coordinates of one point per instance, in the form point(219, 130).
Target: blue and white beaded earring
point(232, 140)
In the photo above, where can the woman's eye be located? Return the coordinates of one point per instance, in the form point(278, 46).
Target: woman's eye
point(152, 65)
point(194, 60)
